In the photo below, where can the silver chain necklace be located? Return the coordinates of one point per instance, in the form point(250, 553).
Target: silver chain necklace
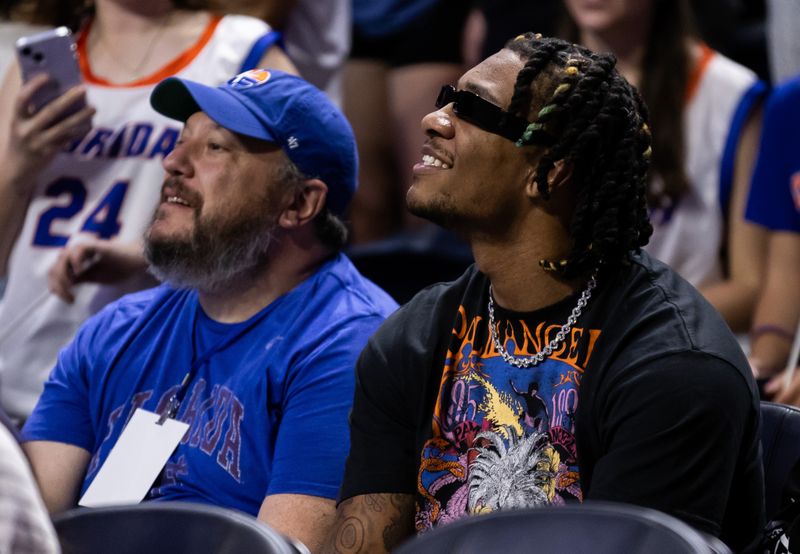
point(553, 345)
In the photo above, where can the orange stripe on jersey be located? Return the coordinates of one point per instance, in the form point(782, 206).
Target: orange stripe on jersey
point(173, 67)
point(706, 54)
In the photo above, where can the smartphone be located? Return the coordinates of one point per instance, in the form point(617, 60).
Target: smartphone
point(52, 52)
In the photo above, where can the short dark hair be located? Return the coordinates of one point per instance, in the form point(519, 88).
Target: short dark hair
point(584, 113)
point(329, 228)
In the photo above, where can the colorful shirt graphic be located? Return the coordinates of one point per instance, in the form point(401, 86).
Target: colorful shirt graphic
point(503, 437)
point(660, 406)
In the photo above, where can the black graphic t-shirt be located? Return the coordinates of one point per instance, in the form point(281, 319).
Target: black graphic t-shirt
point(503, 436)
point(649, 401)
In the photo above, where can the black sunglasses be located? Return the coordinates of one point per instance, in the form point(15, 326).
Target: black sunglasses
point(482, 113)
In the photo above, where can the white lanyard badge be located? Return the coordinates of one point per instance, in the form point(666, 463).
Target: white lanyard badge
point(135, 461)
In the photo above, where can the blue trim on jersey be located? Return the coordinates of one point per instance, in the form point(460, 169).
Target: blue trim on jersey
point(771, 202)
point(746, 105)
point(259, 48)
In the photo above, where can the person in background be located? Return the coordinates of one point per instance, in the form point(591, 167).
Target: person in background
point(389, 79)
point(705, 115)
point(774, 204)
point(252, 340)
point(316, 35)
point(783, 45)
point(10, 31)
point(25, 526)
point(637, 391)
point(76, 190)
point(490, 23)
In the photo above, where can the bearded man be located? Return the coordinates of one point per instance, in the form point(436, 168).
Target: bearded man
point(251, 341)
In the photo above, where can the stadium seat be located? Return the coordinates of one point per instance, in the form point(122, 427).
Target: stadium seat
point(780, 441)
point(167, 528)
point(592, 527)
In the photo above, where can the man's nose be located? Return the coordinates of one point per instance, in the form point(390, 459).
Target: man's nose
point(439, 122)
point(177, 162)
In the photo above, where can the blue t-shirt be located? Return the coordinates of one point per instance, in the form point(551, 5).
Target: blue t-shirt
point(774, 200)
point(267, 412)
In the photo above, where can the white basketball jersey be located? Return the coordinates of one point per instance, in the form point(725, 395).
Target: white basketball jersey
point(107, 185)
point(689, 236)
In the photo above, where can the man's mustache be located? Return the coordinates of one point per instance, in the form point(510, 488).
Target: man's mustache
point(174, 186)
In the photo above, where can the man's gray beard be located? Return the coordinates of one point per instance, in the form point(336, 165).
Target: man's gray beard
point(215, 256)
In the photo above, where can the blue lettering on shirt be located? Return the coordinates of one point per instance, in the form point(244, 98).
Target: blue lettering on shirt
point(139, 140)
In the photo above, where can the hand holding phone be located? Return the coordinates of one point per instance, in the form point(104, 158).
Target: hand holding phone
point(53, 53)
point(50, 109)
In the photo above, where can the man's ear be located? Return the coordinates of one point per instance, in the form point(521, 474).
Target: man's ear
point(560, 174)
point(307, 203)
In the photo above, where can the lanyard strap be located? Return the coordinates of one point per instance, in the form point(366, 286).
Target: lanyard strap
point(175, 400)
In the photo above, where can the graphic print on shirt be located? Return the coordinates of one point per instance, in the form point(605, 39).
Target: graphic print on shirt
point(214, 420)
point(503, 437)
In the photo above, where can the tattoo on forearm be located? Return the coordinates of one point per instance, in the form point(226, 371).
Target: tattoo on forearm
point(350, 535)
point(400, 526)
point(365, 524)
point(374, 502)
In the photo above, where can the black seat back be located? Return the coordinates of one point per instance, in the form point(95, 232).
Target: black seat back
point(780, 443)
point(593, 527)
point(166, 528)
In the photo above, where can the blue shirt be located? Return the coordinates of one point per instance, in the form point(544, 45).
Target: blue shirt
point(774, 200)
point(267, 411)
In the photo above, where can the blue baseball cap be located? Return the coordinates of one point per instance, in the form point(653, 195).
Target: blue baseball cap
point(280, 108)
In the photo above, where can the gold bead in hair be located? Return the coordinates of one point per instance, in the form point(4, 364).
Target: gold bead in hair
point(561, 89)
point(571, 70)
point(549, 266)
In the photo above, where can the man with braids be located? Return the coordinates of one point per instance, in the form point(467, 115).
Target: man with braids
point(539, 156)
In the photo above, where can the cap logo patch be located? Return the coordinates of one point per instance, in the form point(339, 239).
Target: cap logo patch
point(248, 79)
point(292, 142)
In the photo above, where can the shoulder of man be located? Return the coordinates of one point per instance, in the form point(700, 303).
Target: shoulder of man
point(423, 313)
point(348, 287)
point(117, 316)
point(652, 312)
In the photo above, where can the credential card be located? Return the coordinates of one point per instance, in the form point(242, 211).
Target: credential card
point(135, 460)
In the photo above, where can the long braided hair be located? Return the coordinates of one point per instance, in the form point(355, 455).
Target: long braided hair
point(587, 115)
point(666, 70)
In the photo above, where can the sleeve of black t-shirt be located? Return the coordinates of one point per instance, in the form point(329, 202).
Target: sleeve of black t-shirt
point(672, 430)
point(397, 382)
point(392, 376)
point(382, 457)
